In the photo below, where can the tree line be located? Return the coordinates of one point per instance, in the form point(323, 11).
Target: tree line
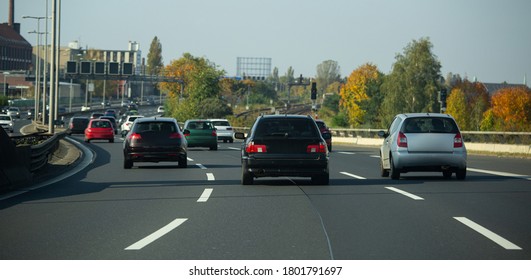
point(367, 98)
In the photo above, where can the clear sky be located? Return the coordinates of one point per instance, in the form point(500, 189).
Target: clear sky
point(486, 39)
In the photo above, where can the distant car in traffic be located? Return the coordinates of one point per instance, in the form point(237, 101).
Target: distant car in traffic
point(6, 122)
point(99, 129)
point(160, 110)
point(128, 123)
point(423, 142)
point(201, 133)
point(77, 125)
point(284, 145)
point(326, 133)
point(14, 112)
point(95, 115)
point(113, 122)
point(223, 129)
point(155, 139)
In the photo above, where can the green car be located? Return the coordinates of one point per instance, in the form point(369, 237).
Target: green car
point(201, 133)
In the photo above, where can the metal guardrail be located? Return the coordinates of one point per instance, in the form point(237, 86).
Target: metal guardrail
point(37, 148)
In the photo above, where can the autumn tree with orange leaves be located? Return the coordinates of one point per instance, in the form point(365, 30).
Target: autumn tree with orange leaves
point(361, 85)
point(511, 109)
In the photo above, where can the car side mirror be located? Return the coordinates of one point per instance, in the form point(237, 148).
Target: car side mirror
point(383, 134)
point(239, 135)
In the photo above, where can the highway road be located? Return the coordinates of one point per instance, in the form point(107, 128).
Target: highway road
point(158, 211)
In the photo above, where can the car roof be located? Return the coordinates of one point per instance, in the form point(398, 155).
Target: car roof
point(151, 119)
point(416, 115)
point(218, 120)
point(285, 116)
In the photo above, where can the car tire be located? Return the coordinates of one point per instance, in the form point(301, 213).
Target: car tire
point(111, 140)
point(128, 163)
point(247, 178)
point(330, 148)
point(383, 172)
point(183, 162)
point(395, 173)
point(214, 148)
point(461, 174)
point(231, 141)
point(87, 140)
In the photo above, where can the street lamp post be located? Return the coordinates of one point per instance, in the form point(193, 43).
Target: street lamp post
point(37, 64)
point(4, 89)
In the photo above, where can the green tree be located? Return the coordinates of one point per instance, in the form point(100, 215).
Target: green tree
point(202, 89)
point(327, 73)
point(154, 58)
point(457, 107)
point(413, 83)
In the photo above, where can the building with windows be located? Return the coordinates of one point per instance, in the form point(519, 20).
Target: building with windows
point(255, 68)
point(15, 51)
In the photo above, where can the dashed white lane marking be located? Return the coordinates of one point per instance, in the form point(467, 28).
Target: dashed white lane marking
point(200, 166)
point(205, 195)
point(412, 196)
point(156, 235)
point(210, 177)
point(236, 149)
point(189, 159)
point(346, 153)
point(505, 174)
point(375, 156)
point(489, 234)
point(352, 175)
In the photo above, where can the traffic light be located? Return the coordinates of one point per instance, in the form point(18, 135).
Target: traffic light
point(314, 91)
point(442, 95)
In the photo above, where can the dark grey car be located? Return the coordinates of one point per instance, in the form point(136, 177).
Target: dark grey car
point(284, 145)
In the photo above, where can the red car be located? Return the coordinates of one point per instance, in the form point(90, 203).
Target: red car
point(99, 129)
point(326, 133)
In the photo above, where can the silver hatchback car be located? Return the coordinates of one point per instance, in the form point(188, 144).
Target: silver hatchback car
point(423, 142)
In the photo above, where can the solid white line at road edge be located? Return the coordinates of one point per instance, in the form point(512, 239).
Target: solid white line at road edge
point(352, 175)
point(156, 235)
point(205, 196)
point(405, 193)
point(505, 174)
point(489, 234)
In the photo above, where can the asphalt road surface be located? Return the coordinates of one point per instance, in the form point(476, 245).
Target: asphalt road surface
point(159, 211)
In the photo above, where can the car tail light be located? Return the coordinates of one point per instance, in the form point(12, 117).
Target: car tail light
point(316, 148)
point(175, 135)
point(458, 141)
point(254, 148)
point(229, 128)
point(135, 137)
point(214, 133)
point(401, 141)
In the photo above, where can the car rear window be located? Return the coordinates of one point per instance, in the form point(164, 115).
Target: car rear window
point(101, 124)
point(429, 125)
point(221, 123)
point(200, 125)
point(166, 127)
point(286, 127)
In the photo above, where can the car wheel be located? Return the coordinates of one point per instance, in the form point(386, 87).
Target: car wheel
point(247, 178)
point(128, 163)
point(395, 173)
point(87, 140)
point(183, 162)
point(447, 174)
point(383, 172)
point(330, 148)
point(214, 148)
point(111, 140)
point(224, 141)
point(323, 179)
point(231, 141)
point(461, 174)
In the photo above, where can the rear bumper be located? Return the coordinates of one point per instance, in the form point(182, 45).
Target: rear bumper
point(286, 167)
point(429, 161)
point(145, 155)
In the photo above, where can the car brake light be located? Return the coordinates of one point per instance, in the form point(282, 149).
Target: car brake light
point(135, 137)
point(214, 133)
point(458, 141)
point(316, 148)
point(253, 148)
point(175, 135)
point(401, 141)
